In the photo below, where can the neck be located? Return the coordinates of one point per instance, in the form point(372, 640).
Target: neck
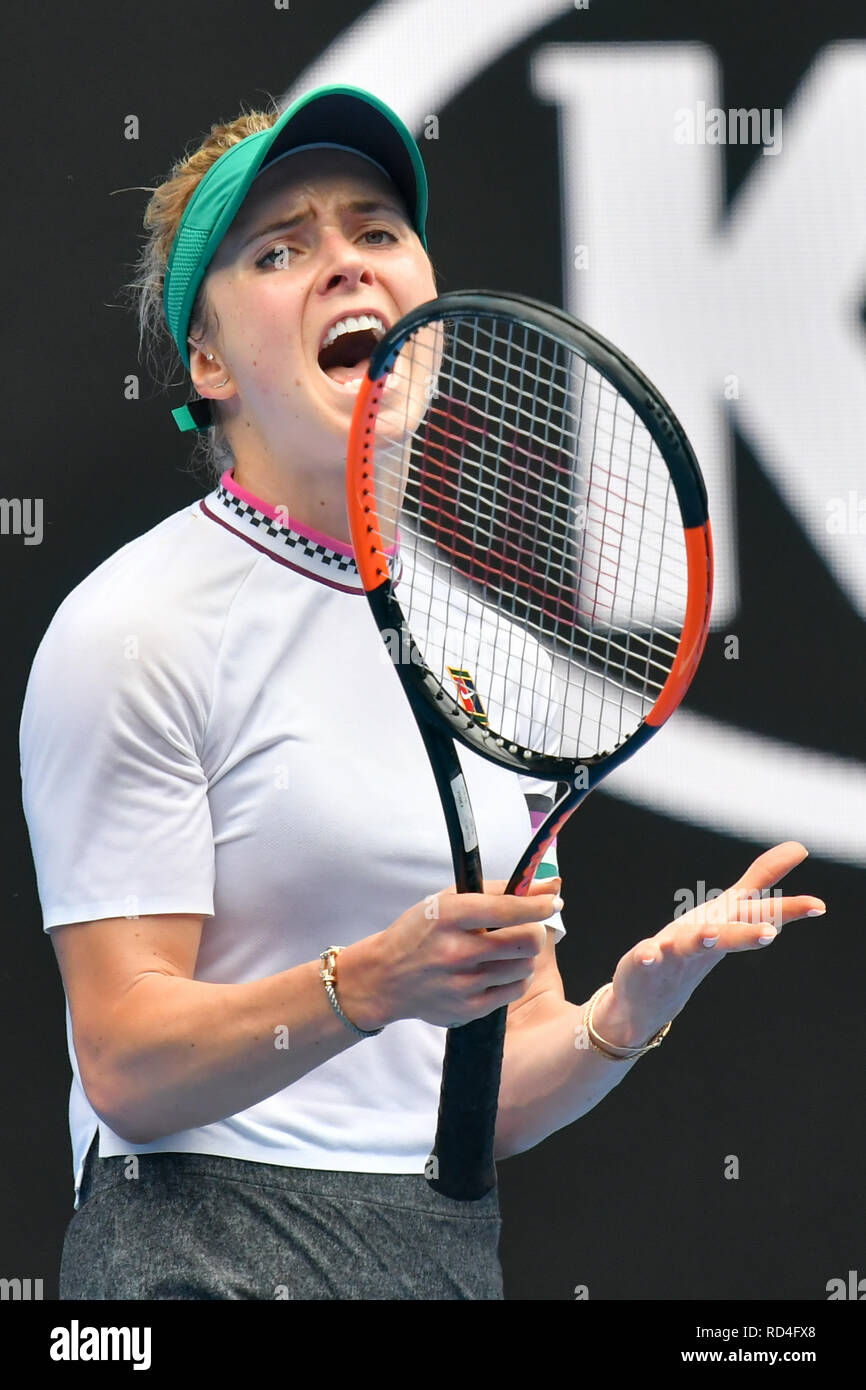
point(315, 499)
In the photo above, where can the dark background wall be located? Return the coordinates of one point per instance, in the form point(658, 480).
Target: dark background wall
point(765, 1063)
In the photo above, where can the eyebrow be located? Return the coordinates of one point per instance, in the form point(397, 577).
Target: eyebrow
point(357, 205)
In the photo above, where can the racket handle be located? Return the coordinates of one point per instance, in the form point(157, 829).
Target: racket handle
point(461, 1164)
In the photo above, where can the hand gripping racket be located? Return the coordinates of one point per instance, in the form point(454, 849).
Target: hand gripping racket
point(530, 526)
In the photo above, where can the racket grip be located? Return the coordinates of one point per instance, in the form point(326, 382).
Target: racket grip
point(461, 1164)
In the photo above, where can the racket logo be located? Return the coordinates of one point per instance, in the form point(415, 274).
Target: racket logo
point(467, 694)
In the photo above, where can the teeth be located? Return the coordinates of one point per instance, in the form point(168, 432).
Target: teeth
point(353, 325)
point(354, 385)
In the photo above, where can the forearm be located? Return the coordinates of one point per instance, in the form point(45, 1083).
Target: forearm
point(183, 1053)
point(550, 1073)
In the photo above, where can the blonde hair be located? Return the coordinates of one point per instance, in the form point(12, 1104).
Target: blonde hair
point(161, 220)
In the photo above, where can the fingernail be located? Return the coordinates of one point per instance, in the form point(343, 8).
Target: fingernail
point(558, 904)
point(770, 936)
point(816, 912)
point(709, 941)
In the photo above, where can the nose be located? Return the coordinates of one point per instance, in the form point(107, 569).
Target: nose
point(345, 264)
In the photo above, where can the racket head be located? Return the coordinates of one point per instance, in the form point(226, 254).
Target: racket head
point(516, 482)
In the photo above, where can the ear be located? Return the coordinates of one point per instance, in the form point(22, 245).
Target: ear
point(209, 377)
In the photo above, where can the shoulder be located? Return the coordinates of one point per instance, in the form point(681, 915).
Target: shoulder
point(139, 637)
point(167, 588)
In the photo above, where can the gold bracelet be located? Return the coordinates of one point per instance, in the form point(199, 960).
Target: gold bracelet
point(613, 1051)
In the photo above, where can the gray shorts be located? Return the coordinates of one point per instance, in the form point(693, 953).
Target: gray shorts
point(200, 1226)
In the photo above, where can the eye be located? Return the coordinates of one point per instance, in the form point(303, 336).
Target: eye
point(281, 253)
point(380, 231)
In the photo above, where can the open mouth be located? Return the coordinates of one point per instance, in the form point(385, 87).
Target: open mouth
point(347, 348)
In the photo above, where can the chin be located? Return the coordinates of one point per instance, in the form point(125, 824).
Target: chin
point(397, 420)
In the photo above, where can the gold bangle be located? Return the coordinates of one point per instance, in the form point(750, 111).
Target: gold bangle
point(614, 1052)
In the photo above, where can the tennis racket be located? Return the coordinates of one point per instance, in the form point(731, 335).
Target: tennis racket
point(530, 526)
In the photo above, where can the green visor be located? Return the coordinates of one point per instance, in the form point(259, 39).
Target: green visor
point(335, 117)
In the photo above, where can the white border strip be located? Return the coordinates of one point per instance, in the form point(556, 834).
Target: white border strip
point(742, 784)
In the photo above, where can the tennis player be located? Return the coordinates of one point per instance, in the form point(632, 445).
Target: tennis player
point(240, 852)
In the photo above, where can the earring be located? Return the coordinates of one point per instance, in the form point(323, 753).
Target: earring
point(209, 356)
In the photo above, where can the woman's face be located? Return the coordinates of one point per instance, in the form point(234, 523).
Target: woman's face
point(323, 236)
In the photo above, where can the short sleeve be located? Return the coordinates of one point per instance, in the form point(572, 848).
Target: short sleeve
point(113, 789)
point(541, 797)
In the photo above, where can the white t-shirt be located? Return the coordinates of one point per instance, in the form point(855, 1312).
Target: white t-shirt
point(213, 725)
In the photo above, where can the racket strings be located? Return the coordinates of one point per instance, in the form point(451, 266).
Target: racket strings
point(542, 545)
point(598, 558)
point(453, 451)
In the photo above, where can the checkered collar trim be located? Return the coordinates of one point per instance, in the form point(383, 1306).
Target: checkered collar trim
point(269, 529)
